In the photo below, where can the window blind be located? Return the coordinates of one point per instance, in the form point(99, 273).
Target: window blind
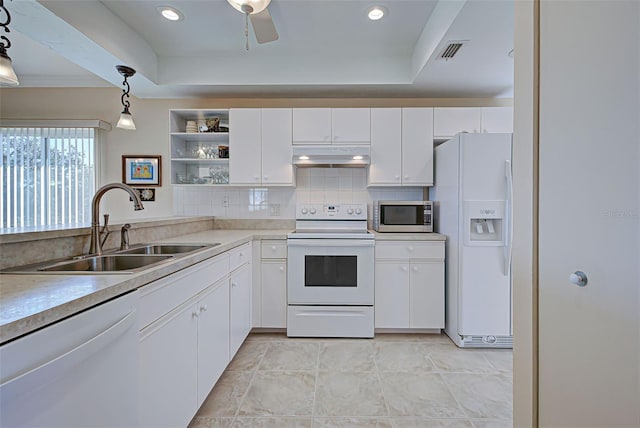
point(47, 176)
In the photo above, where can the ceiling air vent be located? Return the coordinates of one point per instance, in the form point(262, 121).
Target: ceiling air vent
point(451, 49)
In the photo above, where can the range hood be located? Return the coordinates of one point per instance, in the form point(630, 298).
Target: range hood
point(330, 155)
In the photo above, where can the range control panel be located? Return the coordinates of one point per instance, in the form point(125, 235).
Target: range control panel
point(331, 211)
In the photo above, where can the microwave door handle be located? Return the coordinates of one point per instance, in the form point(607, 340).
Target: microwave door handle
point(508, 248)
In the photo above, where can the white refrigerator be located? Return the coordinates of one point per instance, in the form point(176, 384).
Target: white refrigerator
point(473, 196)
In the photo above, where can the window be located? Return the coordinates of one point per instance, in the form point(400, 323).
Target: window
point(47, 175)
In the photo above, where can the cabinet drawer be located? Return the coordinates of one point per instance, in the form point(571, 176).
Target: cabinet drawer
point(410, 250)
point(239, 256)
point(274, 250)
point(162, 296)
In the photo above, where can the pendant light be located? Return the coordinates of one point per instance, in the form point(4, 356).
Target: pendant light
point(7, 75)
point(126, 120)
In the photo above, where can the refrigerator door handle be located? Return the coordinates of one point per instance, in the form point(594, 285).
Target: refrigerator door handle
point(509, 219)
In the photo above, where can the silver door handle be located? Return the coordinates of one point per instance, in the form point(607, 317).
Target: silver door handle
point(578, 278)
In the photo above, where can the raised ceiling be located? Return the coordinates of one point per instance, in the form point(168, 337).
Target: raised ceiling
point(327, 48)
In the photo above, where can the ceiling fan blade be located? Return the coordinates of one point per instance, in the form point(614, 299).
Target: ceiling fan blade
point(263, 27)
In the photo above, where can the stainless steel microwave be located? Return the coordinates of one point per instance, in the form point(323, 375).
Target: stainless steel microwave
point(404, 216)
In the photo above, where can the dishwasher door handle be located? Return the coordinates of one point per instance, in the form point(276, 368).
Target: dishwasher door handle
point(30, 379)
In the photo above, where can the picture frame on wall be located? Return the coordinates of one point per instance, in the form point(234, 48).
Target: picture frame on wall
point(142, 170)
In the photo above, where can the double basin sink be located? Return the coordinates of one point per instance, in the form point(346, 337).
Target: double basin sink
point(131, 260)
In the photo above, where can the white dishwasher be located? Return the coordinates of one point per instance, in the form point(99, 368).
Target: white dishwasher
point(79, 372)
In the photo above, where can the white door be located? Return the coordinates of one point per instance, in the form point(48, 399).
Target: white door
point(350, 125)
point(245, 141)
point(417, 146)
point(311, 126)
point(386, 147)
point(392, 294)
point(273, 277)
point(589, 352)
point(276, 147)
point(426, 289)
point(240, 308)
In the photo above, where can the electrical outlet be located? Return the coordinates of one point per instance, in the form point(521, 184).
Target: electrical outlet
point(274, 209)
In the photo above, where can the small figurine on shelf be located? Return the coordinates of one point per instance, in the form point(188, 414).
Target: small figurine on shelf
point(213, 124)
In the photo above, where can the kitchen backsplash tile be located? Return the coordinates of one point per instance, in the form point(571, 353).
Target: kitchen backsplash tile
point(313, 185)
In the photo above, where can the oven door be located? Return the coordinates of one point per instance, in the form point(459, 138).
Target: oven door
point(330, 271)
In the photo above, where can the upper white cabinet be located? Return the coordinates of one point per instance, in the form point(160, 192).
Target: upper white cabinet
point(350, 125)
point(401, 147)
point(449, 121)
point(417, 146)
point(497, 119)
point(331, 126)
point(260, 147)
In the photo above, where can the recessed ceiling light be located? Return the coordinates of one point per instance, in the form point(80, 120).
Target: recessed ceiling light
point(303, 157)
point(357, 157)
point(376, 12)
point(170, 13)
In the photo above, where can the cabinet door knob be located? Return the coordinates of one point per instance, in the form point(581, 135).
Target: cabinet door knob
point(273, 248)
point(281, 269)
point(203, 308)
point(406, 177)
point(397, 177)
point(410, 248)
point(404, 268)
point(194, 314)
point(241, 254)
point(266, 177)
point(233, 284)
point(415, 268)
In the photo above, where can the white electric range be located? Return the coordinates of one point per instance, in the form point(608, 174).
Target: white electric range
point(330, 272)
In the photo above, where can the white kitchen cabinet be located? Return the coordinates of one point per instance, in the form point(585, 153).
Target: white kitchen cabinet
point(273, 280)
point(497, 119)
point(449, 121)
point(240, 307)
point(401, 147)
point(331, 126)
point(245, 142)
point(311, 126)
point(168, 372)
point(386, 147)
point(409, 285)
point(183, 341)
point(417, 146)
point(277, 152)
point(350, 125)
point(196, 156)
point(260, 147)
point(213, 336)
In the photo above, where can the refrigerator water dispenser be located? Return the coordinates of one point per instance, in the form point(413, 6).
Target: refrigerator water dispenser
point(484, 223)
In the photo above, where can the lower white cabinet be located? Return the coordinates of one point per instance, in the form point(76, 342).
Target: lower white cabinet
point(192, 324)
point(273, 280)
point(213, 337)
point(240, 307)
point(409, 285)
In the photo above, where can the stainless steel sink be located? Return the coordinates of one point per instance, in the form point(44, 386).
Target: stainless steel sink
point(166, 248)
point(108, 263)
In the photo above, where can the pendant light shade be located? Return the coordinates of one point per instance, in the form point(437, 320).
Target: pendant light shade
point(126, 120)
point(249, 6)
point(7, 75)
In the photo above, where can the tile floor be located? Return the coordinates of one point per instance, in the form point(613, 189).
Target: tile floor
point(392, 381)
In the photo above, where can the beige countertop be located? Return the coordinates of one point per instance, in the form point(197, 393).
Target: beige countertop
point(29, 302)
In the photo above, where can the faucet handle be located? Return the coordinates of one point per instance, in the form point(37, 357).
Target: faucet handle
point(106, 221)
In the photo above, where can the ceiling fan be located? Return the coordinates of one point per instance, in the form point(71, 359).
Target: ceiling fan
point(257, 12)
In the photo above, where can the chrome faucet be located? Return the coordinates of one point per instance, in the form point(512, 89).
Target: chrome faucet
point(96, 246)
